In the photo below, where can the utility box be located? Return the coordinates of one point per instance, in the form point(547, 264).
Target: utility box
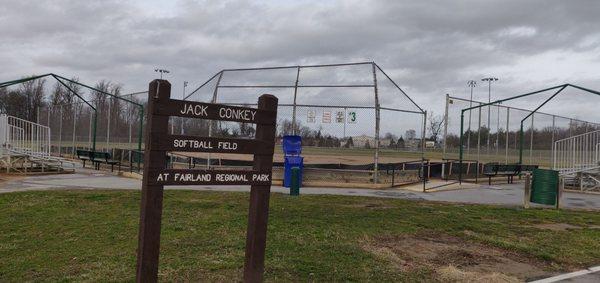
point(292, 148)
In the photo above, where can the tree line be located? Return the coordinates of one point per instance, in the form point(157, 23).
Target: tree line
point(66, 113)
point(542, 137)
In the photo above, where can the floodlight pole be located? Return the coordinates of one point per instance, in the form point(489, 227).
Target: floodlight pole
point(471, 85)
point(162, 71)
point(489, 80)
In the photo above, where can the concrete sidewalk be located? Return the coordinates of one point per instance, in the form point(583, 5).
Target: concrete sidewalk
point(507, 195)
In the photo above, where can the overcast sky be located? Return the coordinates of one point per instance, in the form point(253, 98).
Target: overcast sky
point(429, 47)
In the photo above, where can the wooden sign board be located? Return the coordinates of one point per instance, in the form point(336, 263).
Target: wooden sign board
point(221, 112)
point(156, 175)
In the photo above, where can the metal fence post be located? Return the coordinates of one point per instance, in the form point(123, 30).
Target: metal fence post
point(507, 131)
point(60, 124)
point(497, 131)
point(108, 125)
point(377, 120)
point(74, 121)
point(90, 132)
point(210, 123)
point(423, 133)
point(129, 121)
point(444, 144)
point(553, 134)
point(531, 141)
point(294, 105)
point(478, 138)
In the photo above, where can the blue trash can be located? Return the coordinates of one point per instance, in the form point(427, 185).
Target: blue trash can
point(292, 148)
point(289, 163)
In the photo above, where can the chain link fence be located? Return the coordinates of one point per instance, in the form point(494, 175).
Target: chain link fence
point(491, 133)
point(350, 116)
point(86, 117)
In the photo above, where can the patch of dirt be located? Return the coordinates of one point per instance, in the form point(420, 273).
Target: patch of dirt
point(562, 226)
point(556, 226)
point(455, 259)
point(453, 274)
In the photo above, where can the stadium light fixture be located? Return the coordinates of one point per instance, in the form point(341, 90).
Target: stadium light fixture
point(489, 80)
point(162, 71)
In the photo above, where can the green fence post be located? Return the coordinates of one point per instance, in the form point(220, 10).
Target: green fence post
point(94, 130)
point(521, 142)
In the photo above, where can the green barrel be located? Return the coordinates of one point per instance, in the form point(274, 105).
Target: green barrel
point(295, 182)
point(544, 186)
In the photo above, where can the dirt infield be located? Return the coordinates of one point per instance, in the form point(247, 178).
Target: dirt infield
point(326, 156)
point(308, 158)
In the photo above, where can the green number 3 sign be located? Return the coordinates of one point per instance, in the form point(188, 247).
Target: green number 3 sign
point(352, 117)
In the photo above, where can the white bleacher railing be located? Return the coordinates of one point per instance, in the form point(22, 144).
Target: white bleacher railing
point(22, 136)
point(577, 153)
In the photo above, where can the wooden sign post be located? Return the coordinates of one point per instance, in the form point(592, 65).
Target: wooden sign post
point(156, 175)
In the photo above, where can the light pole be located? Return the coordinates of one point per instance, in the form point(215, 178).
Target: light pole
point(185, 83)
point(162, 71)
point(471, 85)
point(489, 80)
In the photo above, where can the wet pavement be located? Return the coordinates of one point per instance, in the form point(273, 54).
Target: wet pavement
point(503, 194)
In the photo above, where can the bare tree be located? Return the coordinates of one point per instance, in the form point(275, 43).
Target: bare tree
point(435, 124)
point(34, 92)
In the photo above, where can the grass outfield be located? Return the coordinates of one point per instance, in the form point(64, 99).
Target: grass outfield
point(92, 236)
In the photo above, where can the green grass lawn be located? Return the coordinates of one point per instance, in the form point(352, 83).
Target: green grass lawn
point(92, 236)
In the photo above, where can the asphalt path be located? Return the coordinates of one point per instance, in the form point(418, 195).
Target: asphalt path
point(503, 194)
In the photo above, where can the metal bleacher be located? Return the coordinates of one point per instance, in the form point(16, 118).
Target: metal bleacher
point(25, 148)
point(577, 159)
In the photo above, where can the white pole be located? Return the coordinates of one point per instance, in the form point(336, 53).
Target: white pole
point(445, 130)
point(478, 137)
point(497, 130)
point(507, 130)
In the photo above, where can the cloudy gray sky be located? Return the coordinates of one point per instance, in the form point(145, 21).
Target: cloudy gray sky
point(429, 47)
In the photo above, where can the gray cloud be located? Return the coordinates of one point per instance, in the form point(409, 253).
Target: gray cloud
point(429, 47)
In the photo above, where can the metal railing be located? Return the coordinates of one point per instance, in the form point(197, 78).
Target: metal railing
point(577, 153)
point(23, 136)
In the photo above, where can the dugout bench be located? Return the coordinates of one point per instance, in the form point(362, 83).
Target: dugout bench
point(98, 157)
point(509, 170)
